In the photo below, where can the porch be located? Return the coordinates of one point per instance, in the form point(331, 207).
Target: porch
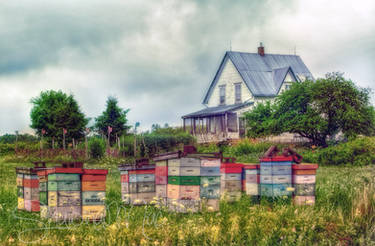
point(216, 124)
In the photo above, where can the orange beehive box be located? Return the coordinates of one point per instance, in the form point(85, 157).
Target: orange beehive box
point(93, 186)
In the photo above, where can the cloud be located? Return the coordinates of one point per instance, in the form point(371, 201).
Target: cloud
point(158, 57)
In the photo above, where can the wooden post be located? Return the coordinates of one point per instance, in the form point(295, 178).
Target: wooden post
point(86, 147)
point(73, 142)
point(226, 125)
point(63, 139)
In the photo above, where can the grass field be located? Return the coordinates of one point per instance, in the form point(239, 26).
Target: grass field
point(344, 214)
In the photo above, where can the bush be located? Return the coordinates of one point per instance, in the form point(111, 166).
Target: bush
point(6, 149)
point(357, 152)
point(96, 147)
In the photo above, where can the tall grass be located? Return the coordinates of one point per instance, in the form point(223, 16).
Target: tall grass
point(344, 214)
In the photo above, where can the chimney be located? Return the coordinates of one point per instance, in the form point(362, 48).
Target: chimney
point(261, 49)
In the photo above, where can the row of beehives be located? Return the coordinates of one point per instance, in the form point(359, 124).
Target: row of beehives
point(279, 177)
point(189, 182)
point(66, 193)
point(181, 184)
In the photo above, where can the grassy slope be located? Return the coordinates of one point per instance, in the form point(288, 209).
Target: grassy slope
point(344, 214)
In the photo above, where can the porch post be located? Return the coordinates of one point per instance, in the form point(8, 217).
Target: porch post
point(226, 125)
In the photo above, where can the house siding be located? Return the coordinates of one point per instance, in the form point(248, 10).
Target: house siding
point(229, 77)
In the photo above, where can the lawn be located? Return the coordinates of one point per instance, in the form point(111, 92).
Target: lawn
point(344, 214)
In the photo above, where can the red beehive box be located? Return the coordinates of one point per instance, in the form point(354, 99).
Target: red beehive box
point(231, 168)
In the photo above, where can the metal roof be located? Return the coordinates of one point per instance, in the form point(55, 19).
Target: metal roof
point(219, 110)
point(263, 75)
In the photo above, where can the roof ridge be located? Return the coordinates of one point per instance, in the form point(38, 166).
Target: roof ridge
point(265, 54)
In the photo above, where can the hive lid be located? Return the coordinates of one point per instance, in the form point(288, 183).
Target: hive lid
point(93, 171)
point(250, 166)
point(305, 166)
point(65, 170)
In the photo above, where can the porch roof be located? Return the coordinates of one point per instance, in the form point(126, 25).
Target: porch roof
point(219, 110)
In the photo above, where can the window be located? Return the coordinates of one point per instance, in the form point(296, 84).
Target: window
point(222, 94)
point(287, 87)
point(237, 92)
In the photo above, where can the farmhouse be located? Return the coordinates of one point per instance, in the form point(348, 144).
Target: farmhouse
point(241, 81)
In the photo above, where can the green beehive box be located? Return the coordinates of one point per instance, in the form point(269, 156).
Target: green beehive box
point(64, 177)
point(184, 180)
point(64, 185)
point(210, 180)
point(20, 192)
point(93, 197)
point(43, 186)
point(210, 191)
point(43, 198)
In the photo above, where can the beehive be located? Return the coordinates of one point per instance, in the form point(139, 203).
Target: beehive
point(231, 180)
point(161, 175)
point(251, 180)
point(94, 194)
point(210, 190)
point(138, 183)
point(276, 176)
point(304, 179)
point(43, 192)
point(28, 187)
point(64, 193)
point(183, 190)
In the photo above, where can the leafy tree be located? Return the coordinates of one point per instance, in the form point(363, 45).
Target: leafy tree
point(114, 117)
point(316, 110)
point(260, 120)
point(54, 110)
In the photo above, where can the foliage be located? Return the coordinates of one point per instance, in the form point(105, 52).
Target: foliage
point(357, 152)
point(260, 121)
point(96, 147)
point(317, 110)
point(114, 117)
point(12, 138)
point(343, 215)
point(55, 110)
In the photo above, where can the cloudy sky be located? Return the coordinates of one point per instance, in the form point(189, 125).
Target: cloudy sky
point(158, 57)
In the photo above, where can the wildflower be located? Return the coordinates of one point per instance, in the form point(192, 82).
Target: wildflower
point(155, 198)
point(210, 208)
point(157, 206)
point(73, 239)
point(290, 189)
point(153, 202)
point(285, 197)
point(182, 206)
point(11, 240)
point(309, 202)
point(174, 203)
point(205, 185)
point(137, 201)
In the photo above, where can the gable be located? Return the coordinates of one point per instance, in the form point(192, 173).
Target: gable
point(229, 76)
point(262, 75)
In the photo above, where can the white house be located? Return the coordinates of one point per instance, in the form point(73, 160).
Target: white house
point(242, 81)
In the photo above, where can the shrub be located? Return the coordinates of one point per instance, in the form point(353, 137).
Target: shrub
point(96, 147)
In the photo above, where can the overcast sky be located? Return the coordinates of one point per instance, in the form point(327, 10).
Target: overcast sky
point(158, 57)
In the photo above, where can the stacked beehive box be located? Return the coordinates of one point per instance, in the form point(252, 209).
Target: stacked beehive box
point(93, 194)
point(138, 183)
point(64, 193)
point(28, 187)
point(276, 176)
point(304, 178)
point(183, 189)
point(231, 180)
point(210, 189)
point(251, 180)
point(161, 175)
point(43, 192)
